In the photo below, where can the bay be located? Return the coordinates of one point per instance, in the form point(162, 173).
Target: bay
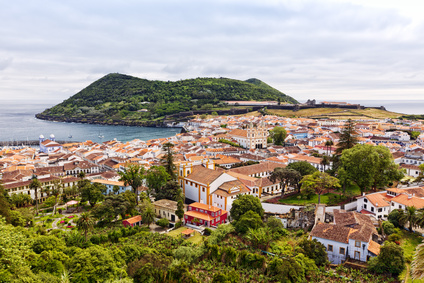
point(18, 123)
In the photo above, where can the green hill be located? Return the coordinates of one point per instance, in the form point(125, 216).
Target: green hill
point(118, 97)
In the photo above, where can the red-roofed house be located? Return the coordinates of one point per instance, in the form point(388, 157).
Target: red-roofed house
point(200, 214)
point(133, 221)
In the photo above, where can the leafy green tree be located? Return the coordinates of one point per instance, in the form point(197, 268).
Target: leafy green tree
point(85, 223)
point(168, 160)
point(131, 198)
point(278, 135)
point(248, 220)
point(368, 166)
point(260, 237)
point(320, 182)
point(47, 243)
point(92, 193)
point(244, 203)
point(348, 137)
point(314, 250)
point(94, 264)
point(180, 210)
point(390, 261)
point(35, 185)
point(388, 227)
point(285, 176)
point(163, 222)
point(133, 176)
point(395, 217)
point(4, 204)
point(156, 178)
point(276, 225)
point(16, 218)
point(304, 168)
point(170, 191)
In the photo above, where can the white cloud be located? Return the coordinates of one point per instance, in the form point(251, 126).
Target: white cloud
point(307, 49)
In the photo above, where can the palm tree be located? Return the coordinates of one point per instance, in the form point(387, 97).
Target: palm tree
point(35, 185)
point(148, 215)
point(325, 161)
point(85, 223)
point(56, 191)
point(410, 216)
point(133, 176)
point(418, 263)
point(328, 144)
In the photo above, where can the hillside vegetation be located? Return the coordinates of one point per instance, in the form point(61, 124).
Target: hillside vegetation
point(118, 97)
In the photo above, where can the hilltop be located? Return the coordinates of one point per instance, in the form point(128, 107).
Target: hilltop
point(123, 99)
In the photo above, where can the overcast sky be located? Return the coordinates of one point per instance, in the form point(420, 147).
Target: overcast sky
point(326, 50)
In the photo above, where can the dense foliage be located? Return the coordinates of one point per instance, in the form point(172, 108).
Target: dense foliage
point(122, 97)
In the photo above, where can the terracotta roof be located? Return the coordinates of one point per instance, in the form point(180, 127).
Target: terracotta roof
point(238, 132)
point(203, 175)
point(332, 232)
point(199, 215)
point(378, 199)
point(374, 247)
point(257, 168)
point(404, 199)
point(206, 207)
point(231, 188)
point(187, 231)
point(134, 219)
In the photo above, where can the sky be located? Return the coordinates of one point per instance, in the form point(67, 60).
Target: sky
point(337, 50)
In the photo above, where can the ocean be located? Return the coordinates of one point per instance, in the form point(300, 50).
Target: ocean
point(18, 123)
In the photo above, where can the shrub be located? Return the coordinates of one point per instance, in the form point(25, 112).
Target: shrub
point(207, 232)
point(163, 222)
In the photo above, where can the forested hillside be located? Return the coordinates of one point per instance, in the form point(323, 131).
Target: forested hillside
point(120, 97)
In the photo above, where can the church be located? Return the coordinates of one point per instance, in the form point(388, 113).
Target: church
point(254, 136)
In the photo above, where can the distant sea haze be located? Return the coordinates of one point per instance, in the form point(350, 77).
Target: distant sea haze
point(18, 122)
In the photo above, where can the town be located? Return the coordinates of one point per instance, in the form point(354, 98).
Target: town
point(194, 183)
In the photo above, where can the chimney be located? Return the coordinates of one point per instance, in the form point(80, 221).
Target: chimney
point(409, 196)
point(376, 204)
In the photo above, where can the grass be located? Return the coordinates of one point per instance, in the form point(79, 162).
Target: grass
point(196, 239)
point(409, 243)
point(299, 200)
point(337, 113)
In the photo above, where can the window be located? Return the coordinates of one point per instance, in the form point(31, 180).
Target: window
point(365, 206)
point(365, 200)
point(330, 248)
point(393, 204)
point(203, 189)
point(357, 255)
point(380, 210)
point(342, 251)
point(372, 208)
point(358, 244)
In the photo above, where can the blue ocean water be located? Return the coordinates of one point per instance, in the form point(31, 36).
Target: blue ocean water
point(18, 122)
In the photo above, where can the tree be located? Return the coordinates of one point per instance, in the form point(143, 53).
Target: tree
point(248, 220)
point(409, 216)
point(168, 160)
point(418, 263)
point(244, 203)
point(285, 176)
point(180, 210)
point(85, 223)
point(348, 137)
point(328, 145)
point(170, 191)
point(156, 178)
point(4, 204)
point(303, 167)
point(390, 261)
point(278, 135)
point(314, 250)
point(56, 190)
point(148, 215)
point(35, 185)
point(163, 222)
point(92, 193)
point(320, 182)
point(370, 167)
point(325, 161)
point(395, 216)
point(133, 176)
point(260, 237)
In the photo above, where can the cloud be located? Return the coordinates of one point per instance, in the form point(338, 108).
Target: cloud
point(304, 48)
